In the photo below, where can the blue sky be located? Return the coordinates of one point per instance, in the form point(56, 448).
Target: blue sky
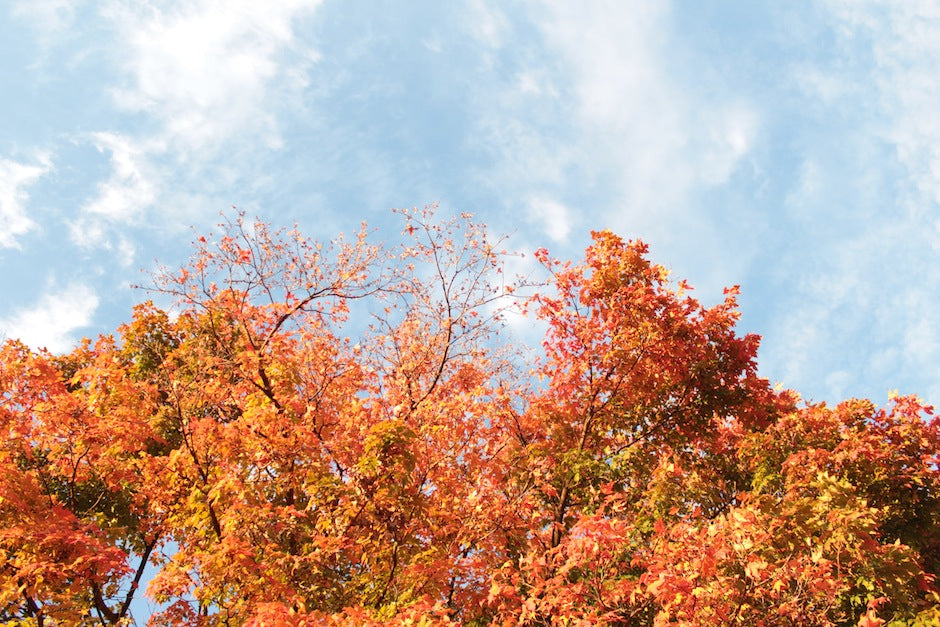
point(792, 148)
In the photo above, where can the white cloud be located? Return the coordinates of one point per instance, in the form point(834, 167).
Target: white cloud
point(601, 109)
point(206, 70)
point(729, 136)
point(50, 17)
point(130, 188)
point(14, 179)
point(803, 198)
point(486, 23)
point(665, 139)
point(552, 216)
point(886, 71)
point(51, 322)
point(624, 108)
point(126, 251)
point(48, 14)
point(90, 232)
point(124, 197)
point(862, 322)
point(820, 86)
point(207, 77)
point(608, 111)
point(905, 42)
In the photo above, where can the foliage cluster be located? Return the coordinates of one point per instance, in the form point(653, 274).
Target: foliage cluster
point(276, 472)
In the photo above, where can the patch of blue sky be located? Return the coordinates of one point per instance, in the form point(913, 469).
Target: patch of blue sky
point(791, 150)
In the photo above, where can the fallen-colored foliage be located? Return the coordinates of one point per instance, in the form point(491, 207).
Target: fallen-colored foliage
point(274, 471)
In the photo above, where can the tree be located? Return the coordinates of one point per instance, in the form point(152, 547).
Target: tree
point(280, 460)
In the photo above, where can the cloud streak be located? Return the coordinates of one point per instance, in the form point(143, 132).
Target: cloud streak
point(207, 71)
point(15, 178)
point(601, 117)
point(52, 321)
point(205, 84)
point(867, 199)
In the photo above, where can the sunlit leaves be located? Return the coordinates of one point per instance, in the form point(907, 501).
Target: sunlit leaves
point(339, 433)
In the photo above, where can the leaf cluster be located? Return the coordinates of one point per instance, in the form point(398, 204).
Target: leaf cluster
point(339, 434)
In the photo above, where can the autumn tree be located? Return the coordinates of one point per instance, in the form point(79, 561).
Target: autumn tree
point(345, 434)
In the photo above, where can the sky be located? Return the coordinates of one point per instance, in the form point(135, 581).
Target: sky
point(791, 148)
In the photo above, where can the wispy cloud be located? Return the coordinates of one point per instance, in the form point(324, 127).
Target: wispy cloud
point(206, 70)
point(15, 177)
point(122, 199)
point(905, 43)
point(487, 23)
point(659, 139)
point(876, 276)
point(861, 319)
point(51, 18)
point(206, 83)
point(632, 128)
point(50, 15)
point(131, 187)
point(554, 217)
point(611, 108)
point(51, 322)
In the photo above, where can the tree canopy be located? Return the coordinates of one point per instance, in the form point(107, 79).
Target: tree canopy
point(344, 434)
